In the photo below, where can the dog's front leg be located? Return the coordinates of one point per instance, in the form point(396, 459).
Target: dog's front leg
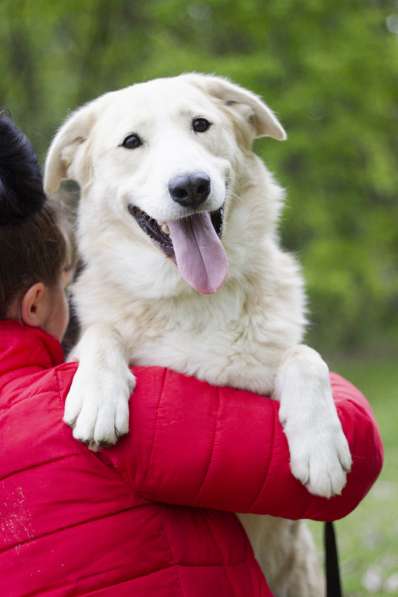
point(319, 454)
point(97, 404)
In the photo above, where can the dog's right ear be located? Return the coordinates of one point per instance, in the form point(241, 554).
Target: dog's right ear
point(70, 143)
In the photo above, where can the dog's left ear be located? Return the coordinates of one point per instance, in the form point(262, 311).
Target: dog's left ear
point(67, 155)
point(66, 144)
point(241, 104)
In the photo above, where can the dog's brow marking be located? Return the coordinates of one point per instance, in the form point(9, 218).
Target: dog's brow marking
point(186, 112)
point(193, 112)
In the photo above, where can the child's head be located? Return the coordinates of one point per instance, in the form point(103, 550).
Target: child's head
point(33, 250)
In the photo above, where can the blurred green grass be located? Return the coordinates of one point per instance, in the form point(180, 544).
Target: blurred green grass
point(368, 538)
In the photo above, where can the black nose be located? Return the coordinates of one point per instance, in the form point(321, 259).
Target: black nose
point(190, 190)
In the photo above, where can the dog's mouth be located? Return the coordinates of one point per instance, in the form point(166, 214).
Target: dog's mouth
point(193, 243)
point(153, 230)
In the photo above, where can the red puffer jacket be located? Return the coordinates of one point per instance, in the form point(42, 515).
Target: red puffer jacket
point(77, 523)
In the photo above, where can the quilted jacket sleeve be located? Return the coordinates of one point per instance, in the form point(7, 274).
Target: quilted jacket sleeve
point(197, 445)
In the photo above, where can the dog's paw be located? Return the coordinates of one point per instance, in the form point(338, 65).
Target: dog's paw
point(97, 406)
point(321, 460)
point(319, 453)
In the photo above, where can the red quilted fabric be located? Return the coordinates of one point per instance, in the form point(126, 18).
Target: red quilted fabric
point(121, 522)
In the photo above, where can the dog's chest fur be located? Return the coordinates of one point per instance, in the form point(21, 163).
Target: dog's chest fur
point(234, 337)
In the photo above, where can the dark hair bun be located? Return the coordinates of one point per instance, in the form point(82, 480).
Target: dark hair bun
point(21, 183)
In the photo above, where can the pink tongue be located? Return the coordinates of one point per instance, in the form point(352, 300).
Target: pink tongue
point(200, 256)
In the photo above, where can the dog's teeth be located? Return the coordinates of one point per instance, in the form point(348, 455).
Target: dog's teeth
point(164, 228)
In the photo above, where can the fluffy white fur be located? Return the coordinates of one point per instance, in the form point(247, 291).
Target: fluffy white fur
point(134, 305)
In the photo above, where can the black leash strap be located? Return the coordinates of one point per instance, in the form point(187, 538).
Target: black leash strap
point(333, 581)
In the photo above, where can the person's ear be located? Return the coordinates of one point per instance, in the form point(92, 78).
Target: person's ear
point(34, 305)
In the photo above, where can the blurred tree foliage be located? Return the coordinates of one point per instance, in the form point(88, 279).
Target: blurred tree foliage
point(328, 67)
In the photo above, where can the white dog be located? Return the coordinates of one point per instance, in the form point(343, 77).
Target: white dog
point(177, 227)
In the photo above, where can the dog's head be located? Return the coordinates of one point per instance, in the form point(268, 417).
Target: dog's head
point(160, 161)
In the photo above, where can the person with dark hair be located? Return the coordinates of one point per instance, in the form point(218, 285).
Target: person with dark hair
point(154, 514)
point(34, 251)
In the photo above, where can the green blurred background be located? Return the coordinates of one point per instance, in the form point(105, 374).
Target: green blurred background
point(329, 68)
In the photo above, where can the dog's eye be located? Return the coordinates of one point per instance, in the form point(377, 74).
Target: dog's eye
point(132, 141)
point(200, 125)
